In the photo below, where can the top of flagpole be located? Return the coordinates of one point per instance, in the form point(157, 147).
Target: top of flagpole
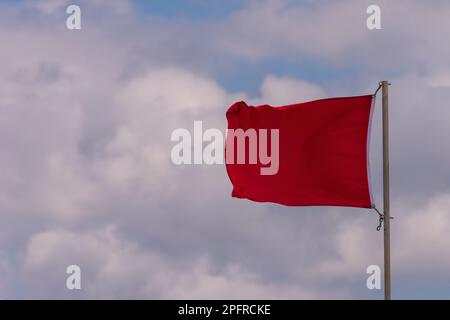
point(380, 85)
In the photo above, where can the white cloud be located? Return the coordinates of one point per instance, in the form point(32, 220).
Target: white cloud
point(419, 241)
point(112, 268)
point(421, 236)
point(284, 90)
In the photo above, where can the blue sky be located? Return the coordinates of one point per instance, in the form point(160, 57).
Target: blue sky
point(244, 74)
point(188, 9)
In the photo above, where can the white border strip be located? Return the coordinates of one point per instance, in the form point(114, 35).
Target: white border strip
point(369, 132)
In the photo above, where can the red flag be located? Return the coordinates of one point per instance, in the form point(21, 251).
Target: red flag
point(322, 152)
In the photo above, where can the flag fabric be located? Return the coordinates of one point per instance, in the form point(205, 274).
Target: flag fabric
point(323, 152)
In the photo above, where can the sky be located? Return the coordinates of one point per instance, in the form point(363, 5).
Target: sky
point(87, 179)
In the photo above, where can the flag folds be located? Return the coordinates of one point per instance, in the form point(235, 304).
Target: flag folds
point(322, 151)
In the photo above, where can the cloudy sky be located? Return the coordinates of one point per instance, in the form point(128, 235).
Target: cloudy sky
point(86, 176)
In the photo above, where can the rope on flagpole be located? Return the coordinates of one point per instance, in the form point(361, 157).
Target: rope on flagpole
point(378, 89)
point(380, 217)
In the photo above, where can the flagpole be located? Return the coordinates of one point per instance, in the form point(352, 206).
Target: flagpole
point(386, 212)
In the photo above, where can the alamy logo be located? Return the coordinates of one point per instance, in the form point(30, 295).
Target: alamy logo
point(237, 141)
point(374, 280)
point(73, 21)
point(73, 281)
point(373, 21)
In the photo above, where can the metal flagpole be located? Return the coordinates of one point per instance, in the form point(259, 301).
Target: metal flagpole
point(387, 217)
